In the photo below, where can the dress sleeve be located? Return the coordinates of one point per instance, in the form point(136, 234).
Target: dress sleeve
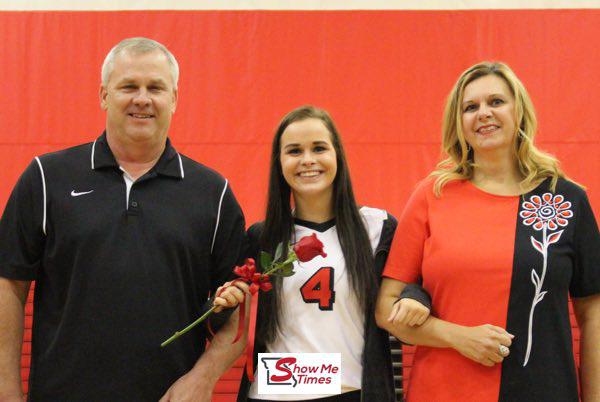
point(21, 228)
point(586, 272)
point(406, 255)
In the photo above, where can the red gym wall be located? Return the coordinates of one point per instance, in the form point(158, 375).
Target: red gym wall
point(383, 75)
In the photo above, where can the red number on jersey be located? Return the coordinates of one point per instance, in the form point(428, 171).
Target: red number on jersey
point(319, 289)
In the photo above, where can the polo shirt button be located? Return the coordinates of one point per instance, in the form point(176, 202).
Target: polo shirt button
point(134, 204)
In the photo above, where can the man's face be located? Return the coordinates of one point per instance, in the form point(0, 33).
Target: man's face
point(139, 97)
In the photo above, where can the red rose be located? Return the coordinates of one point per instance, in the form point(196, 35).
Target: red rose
point(260, 281)
point(308, 248)
point(247, 270)
point(248, 274)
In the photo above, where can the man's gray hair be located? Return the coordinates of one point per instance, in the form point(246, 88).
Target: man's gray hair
point(138, 46)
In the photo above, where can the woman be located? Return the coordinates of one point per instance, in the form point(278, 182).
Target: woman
point(328, 304)
point(500, 238)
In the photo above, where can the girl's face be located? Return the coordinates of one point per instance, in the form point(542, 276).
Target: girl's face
point(488, 115)
point(308, 158)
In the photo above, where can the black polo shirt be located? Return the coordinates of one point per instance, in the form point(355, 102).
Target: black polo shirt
point(114, 278)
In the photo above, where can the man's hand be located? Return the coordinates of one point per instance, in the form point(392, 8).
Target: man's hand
point(198, 384)
point(192, 387)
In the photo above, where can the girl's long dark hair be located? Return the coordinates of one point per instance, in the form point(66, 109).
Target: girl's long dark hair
point(279, 223)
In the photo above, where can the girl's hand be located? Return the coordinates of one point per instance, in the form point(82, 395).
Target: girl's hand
point(408, 312)
point(231, 296)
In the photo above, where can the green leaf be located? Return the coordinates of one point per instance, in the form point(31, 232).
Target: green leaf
point(278, 252)
point(289, 267)
point(286, 270)
point(284, 274)
point(265, 260)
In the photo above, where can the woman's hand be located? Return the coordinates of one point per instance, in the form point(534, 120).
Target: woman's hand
point(234, 293)
point(408, 312)
point(482, 344)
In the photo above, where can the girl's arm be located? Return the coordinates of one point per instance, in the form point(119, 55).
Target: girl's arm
point(480, 343)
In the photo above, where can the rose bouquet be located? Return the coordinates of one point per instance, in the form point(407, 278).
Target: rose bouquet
point(304, 250)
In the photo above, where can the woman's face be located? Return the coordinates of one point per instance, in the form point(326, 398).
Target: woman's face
point(308, 158)
point(488, 115)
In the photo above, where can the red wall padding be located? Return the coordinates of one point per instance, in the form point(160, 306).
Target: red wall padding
point(383, 75)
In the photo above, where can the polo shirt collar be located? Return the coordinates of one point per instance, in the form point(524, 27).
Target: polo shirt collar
point(169, 163)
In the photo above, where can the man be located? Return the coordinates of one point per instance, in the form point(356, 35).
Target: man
point(125, 238)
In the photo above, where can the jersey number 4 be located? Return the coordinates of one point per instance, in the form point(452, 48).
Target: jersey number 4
point(319, 289)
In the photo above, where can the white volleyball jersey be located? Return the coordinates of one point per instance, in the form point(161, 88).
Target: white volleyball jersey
point(320, 312)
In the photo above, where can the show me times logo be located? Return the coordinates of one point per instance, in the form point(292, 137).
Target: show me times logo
point(299, 373)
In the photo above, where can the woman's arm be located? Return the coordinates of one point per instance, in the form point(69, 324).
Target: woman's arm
point(587, 310)
point(481, 343)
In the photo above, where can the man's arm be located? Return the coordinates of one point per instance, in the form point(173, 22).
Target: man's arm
point(587, 310)
point(228, 250)
point(480, 343)
point(13, 295)
point(198, 384)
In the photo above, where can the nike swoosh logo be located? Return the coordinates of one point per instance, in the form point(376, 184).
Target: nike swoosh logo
point(76, 194)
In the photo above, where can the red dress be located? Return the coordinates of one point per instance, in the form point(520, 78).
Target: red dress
point(475, 255)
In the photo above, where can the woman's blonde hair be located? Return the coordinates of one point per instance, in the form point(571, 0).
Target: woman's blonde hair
point(533, 164)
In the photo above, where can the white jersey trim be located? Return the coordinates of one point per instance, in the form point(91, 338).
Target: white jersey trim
point(44, 193)
point(373, 219)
